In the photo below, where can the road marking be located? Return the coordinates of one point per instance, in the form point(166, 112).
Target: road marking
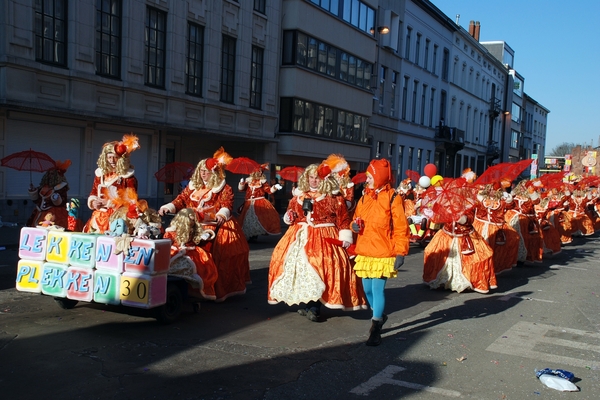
point(526, 339)
point(385, 378)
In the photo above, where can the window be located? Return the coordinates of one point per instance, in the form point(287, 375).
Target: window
point(320, 57)
point(259, 5)
point(355, 12)
point(256, 77)
point(407, 43)
point(108, 38)
point(382, 73)
point(418, 49)
point(514, 140)
point(227, 69)
point(434, 64)
point(419, 159)
point(309, 118)
point(410, 158)
point(193, 67)
point(445, 64)
point(431, 103)
point(400, 161)
point(404, 97)
point(414, 102)
point(154, 63)
point(426, 61)
point(393, 94)
point(423, 96)
point(51, 31)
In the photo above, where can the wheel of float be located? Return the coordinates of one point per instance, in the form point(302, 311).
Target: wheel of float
point(65, 303)
point(170, 311)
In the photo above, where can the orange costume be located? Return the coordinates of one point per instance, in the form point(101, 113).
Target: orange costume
point(212, 200)
point(305, 266)
point(230, 249)
point(550, 235)
point(559, 217)
point(580, 221)
point(194, 264)
point(114, 175)
point(258, 216)
point(489, 222)
point(523, 219)
point(458, 258)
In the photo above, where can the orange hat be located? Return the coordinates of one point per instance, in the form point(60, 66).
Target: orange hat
point(381, 172)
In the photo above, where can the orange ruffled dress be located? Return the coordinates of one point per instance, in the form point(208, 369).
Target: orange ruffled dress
point(581, 224)
point(306, 266)
point(258, 216)
point(458, 258)
point(524, 220)
point(229, 249)
point(194, 264)
point(503, 239)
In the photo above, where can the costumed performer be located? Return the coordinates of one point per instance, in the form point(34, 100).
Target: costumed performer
point(51, 197)
point(306, 266)
point(340, 170)
point(258, 215)
point(382, 241)
point(523, 219)
point(581, 223)
point(114, 172)
point(188, 260)
point(489, 221)
point(212, 198)
point(458, 257)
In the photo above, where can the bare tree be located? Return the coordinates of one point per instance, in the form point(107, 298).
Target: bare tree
point(562, 149)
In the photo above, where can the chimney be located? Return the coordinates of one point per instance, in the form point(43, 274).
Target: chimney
point(472, 28)
point(476, 31)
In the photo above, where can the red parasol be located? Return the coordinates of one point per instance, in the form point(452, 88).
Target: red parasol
point(413, 175)
point(29, 160)
point(291, 173)
point(359, 178)
point(243, 165)
point(449, 202)
point(503, 172)
point(174, 172)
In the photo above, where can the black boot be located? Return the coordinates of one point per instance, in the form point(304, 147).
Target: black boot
point(375, 333)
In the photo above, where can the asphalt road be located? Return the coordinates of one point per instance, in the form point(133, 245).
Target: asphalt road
point(437, 344)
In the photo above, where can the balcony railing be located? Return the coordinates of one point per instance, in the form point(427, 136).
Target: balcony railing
point(451, 134)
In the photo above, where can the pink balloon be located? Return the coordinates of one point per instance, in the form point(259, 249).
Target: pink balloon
point(430, 170)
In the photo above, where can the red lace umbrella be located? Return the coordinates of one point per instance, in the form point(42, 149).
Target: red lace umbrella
point(503, 172)
point(29, 160)
point(449, 202)
point(359, 178)
point(413, 175)
point(243, 166)
point(291, 173)
point(174, 172)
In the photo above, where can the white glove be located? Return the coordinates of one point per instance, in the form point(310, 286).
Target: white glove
point(278, 186)
point(462, 220)
point(242, 180)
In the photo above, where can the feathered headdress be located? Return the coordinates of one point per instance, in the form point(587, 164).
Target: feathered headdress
point(61, 166)
point(337, 164)
point(220, 159)
point(128, 144)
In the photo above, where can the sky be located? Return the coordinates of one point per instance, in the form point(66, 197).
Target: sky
point(557, 51)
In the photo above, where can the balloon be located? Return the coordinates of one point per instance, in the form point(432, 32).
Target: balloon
point(436, 180)
point(430, 170)
point(424, 182)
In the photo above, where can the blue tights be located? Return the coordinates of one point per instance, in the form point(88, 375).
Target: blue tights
point(374, 290)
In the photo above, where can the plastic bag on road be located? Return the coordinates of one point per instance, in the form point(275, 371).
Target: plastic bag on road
point(558, 379)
